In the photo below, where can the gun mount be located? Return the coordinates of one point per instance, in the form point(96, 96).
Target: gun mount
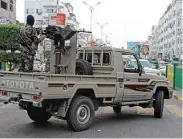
point(62, 55)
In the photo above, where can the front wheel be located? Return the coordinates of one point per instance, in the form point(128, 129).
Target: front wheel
point(159, 104)
point(39, 115)
point(81, 113)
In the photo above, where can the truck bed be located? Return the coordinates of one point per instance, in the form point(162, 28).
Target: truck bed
point(52, 86)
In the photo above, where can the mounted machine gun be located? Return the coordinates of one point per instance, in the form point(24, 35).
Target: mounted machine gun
point(63, 56)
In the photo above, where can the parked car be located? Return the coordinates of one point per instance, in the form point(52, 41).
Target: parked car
point(163, 70)
point(148, 67)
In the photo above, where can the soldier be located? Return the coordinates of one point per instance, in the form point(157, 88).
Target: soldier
point(29, 43)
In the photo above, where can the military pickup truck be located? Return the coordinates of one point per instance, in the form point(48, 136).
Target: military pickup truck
point(101, 79)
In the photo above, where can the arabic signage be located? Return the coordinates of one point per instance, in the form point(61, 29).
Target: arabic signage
point(134, 46)
point(58, 19)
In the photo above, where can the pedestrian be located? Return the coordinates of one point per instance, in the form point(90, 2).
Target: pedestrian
point(29, 44)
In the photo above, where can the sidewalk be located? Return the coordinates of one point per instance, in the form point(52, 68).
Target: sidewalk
point(177, 95)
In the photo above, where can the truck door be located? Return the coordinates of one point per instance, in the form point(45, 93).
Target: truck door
point(136, 87)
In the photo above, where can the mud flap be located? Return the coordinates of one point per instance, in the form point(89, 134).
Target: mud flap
point(63, 108)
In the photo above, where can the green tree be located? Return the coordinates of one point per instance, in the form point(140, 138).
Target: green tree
point(10, 45)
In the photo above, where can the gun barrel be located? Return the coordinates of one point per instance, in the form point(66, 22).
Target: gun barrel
point(85, 31)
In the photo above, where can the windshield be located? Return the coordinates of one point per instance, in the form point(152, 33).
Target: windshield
point(130, 61)
point(146, 64)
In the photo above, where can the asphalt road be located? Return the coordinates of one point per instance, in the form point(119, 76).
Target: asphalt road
point(131, 123)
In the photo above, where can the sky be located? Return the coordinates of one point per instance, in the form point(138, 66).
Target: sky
point(128, 20)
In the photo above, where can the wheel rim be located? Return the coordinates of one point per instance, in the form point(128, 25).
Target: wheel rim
point(83, 114)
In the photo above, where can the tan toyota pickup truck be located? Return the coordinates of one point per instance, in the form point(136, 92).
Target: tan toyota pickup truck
point(109, 80)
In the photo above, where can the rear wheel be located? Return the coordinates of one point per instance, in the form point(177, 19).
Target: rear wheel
point(39, 115)
point(81, 113)
point(159, 104)
point(117, 110)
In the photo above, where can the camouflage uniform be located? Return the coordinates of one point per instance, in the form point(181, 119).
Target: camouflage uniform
point(29, 44)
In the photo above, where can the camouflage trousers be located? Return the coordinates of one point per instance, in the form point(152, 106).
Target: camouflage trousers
point(26, 62)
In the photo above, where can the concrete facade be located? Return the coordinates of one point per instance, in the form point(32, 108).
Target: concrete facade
point(168, 34)
point(153, 42)
point(41, 9)
point(8, 11)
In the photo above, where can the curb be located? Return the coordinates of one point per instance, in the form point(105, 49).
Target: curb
point(177, 98)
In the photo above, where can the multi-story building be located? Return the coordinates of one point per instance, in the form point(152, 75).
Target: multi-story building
point(41, 9)
point(153, 42)
point(8, 11)
point(169, 32)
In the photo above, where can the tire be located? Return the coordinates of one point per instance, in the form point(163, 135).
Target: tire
point(159, 104)
point(74, 121)
point(83, 67)
point(117, 110)
point(38, 115)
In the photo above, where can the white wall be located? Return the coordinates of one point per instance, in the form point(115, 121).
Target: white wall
point(168, 31)
point(7, 14)
point(44, 6)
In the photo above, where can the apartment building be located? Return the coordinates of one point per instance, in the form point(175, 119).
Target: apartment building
point(167, 36)
point(41, 9)
point(7, 11)
point(153, 42)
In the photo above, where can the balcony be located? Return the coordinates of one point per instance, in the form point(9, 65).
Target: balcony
point(71, 22)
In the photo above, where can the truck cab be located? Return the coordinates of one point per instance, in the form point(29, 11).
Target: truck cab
point(135, 84)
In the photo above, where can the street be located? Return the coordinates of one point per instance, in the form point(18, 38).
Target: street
point(131, 123)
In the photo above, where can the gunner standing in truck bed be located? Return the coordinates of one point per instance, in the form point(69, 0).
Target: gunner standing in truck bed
point(29, 44)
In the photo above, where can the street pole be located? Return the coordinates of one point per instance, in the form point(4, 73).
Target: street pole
point(91, 10)
point(102, 27)
point(57, 5)
point(107, 35)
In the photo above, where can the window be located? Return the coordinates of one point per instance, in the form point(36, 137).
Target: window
point(38, 11)
point(4, 5)
point(27, 11)
point(96, 58)
point(32, 11)
point(46, 22)
point(130, 63)
point(38, 22)
point(106, 58)
point(50, 10)
point(11, 7)
point(11, 1)
point(61, 9)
